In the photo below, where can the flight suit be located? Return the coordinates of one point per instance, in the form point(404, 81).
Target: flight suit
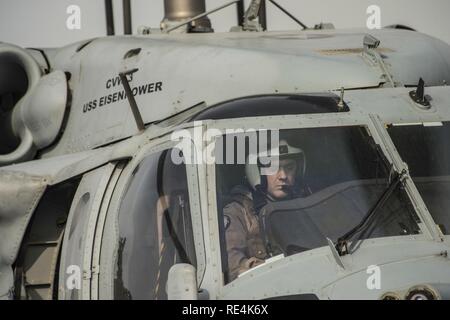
point(244, 241)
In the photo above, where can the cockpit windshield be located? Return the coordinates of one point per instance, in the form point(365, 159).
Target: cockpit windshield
point(326, 180)
point(426, 150)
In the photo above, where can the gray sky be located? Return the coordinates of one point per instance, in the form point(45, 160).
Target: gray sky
point(42, 23)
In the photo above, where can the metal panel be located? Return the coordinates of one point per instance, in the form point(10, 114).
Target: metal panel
point(37, 262)
point(99, 231)
point(293, 62)
point(19, 196)
point(80, 229)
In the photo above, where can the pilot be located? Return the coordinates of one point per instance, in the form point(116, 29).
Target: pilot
point(244, 241)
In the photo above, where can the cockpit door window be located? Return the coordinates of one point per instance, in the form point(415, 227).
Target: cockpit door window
point(155, 227)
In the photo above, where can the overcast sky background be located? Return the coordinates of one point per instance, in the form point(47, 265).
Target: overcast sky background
point(42, 23)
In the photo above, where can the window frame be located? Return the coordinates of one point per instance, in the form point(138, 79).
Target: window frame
point(81, 225)
point(429, 217)
point(375, 129)
point(110, 238)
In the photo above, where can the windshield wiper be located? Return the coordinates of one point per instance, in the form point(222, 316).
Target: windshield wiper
point(342, 242)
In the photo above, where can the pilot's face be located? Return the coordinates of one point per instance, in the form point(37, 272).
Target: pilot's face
point(283, 178)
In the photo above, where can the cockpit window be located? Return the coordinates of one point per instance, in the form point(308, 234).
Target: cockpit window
point(326, 181)
point(426, 149)
point(272, 105)
point(155, 228)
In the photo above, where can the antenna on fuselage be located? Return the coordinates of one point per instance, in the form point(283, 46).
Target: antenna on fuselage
point(250, 22)
point(133, 105)
point(419, 96)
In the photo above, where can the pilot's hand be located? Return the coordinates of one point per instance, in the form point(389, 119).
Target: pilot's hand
point(253, 262)
point(249, 264)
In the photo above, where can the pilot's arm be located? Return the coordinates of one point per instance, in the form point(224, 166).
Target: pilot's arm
point(244, 245)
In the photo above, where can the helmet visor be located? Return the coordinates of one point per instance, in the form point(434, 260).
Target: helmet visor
point(290, 163)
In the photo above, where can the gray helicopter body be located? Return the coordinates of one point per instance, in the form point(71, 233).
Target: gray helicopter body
point(67, 177)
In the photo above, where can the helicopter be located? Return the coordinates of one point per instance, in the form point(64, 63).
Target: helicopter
point(93, 204)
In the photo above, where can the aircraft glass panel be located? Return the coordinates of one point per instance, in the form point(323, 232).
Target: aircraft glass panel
point(327, 181)
point(273, 105)
point(155, 228)
point(425, 148)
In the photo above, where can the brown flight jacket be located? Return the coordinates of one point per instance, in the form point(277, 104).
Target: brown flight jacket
point(245, 243)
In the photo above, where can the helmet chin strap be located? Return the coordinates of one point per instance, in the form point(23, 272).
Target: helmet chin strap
point(268, 196)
